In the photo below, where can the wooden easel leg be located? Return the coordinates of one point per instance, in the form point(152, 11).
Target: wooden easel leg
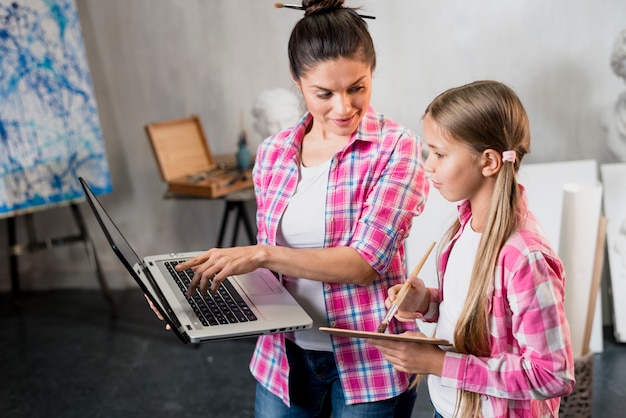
point(93, 259)
point(13, 266)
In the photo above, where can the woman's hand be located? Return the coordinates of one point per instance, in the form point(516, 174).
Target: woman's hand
point(216, 264)
point(416, 300)
point(156, 311)
point(411, 357)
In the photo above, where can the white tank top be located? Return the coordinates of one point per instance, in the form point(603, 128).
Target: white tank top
point(455, 287)
point(303, 226)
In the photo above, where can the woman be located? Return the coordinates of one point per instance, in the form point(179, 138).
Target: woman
point(336, 195)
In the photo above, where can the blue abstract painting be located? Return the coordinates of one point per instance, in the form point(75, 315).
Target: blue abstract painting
point(49, 126)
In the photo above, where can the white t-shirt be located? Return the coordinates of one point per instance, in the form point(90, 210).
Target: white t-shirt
point(303, 226)
point(455, 287)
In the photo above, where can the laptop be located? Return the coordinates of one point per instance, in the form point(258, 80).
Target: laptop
point(245, 305)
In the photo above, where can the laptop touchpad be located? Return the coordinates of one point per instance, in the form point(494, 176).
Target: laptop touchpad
point(258, 284)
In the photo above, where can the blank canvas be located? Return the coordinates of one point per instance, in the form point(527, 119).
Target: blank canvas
point(614, 179)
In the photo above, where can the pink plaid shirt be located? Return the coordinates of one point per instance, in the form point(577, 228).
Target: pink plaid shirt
point(531, 364)
point(376, 186)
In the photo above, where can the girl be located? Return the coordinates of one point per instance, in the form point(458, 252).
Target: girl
point(501, 286)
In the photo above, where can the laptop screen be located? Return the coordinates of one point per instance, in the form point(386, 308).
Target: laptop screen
point(129, 258)
point(114, 236)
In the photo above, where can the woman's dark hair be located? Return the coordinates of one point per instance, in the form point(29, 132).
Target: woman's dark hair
point(328, 31)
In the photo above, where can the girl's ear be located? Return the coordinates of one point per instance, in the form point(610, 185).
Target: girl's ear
point(491, 162)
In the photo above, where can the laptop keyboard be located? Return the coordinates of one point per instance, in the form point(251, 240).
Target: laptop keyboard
point(226, 306)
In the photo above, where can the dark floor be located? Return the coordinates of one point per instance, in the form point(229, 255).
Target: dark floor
point(63, 356)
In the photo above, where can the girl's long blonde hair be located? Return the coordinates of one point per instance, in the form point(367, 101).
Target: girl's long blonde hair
point(484, 115)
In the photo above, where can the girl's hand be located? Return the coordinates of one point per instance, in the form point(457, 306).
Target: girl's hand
point(411, 357)
point(416, 300)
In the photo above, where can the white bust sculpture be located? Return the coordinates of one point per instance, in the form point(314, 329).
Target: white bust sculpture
point(275, 110)
point(616, 129)
point(615, 123)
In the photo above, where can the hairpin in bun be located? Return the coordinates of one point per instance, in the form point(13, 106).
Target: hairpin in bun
point(296, 7)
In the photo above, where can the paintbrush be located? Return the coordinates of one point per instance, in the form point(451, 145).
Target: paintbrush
point(404, 290)
point(296, 7)
point(288, 6)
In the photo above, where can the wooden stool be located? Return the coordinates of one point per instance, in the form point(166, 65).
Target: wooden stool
point(237, 202)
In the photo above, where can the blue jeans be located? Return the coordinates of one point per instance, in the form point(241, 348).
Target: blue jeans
point(315, 391)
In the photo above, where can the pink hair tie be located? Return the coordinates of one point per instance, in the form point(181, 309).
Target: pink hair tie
point(509, 156)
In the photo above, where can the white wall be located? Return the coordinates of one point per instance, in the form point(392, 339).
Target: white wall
point(159, 59)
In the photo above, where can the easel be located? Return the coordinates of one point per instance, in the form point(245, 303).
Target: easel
point(34, 244)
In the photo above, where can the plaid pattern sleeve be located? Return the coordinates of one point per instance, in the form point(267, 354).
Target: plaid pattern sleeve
point(531, 362)
point(376, 186)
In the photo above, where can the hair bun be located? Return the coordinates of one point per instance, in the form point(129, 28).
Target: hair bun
point(317, 6)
